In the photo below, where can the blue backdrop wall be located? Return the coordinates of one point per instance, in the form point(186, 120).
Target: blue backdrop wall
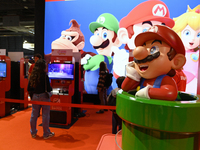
point(59, 13)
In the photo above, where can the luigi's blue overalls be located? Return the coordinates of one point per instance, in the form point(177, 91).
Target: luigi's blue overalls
point(92, 77)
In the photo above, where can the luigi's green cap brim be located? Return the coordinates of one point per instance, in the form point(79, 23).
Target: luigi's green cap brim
point(94, 25)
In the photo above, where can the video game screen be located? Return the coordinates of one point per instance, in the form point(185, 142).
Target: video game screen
point(61, 71)
point(3, 69)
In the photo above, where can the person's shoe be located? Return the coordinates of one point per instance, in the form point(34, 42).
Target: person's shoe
point(33, 135)
point(50, 135)
point(100, 112)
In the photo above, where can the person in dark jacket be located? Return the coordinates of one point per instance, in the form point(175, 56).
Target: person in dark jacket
point(36, 58)
point(39, 85)
point(116, 120)
point(101, 87)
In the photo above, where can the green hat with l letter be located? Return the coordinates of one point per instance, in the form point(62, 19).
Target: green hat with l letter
point(106, 20)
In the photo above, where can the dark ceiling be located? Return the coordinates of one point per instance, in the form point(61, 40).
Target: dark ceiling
point(17, 17)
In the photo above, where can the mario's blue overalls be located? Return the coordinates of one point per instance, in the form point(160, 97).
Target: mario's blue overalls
point(156, 84)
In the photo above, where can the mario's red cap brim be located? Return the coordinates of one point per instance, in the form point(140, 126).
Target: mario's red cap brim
point(125, 22)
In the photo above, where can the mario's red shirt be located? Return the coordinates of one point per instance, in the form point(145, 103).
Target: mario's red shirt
point(181, 80)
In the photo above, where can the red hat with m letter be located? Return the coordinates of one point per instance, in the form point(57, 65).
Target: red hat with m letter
point(163, 33)
point(148, 10)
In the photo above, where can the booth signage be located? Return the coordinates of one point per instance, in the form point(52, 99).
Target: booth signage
point(62, 52)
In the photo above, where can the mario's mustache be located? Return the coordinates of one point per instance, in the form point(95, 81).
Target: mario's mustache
point(148, 58)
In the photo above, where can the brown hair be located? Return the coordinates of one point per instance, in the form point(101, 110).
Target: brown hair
point(38, 56)
point(38, 70)
point(75, 27)
point(103, 66)
point(119, 81)
point(114, 38)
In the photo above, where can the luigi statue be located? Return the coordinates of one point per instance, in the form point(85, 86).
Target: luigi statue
point(104, 39)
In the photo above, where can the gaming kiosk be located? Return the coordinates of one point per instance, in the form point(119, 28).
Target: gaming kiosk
point(18, 86)
point(62, 71)
point(159, 124)
point(5, 75)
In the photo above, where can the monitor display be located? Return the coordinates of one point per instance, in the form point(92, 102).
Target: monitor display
point(3, 69)
point(61, 71)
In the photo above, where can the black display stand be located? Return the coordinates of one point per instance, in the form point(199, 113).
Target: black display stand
point(91, 98)
point(15, 91)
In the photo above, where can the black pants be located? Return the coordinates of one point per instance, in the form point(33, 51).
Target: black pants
point(116, 122)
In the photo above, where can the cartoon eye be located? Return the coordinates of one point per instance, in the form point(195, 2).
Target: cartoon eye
point(145, 29)
point(154, 49)
point(96, 32)
point(69, 38)
point(187, 32)
point(198, 35)
point(105, 35)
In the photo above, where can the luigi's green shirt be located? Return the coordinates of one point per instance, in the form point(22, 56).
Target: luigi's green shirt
point(93, 62)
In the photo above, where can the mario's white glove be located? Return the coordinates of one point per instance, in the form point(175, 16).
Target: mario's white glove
point(144, 92)
point(120, 59)
point(131, 72)
point(85, 59)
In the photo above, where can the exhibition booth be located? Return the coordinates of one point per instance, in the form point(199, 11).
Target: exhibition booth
point(151, 120)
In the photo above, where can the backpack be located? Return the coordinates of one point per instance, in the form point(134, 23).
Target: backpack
point(108, 79)
point(111, 100)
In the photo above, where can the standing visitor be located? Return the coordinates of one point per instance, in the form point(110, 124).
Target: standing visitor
point(116, 120)
point(102, 89)
point(27, 65)
point(39, 85)
point(36, 58)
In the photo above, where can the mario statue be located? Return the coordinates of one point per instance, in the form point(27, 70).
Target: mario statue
point(140, 19)
point(158, 53)
point(104, 38)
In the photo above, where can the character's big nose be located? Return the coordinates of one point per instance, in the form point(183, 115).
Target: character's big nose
point(95, 40)
point(140, 53)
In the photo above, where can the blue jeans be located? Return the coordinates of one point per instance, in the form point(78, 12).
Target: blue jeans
point(45, 114)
